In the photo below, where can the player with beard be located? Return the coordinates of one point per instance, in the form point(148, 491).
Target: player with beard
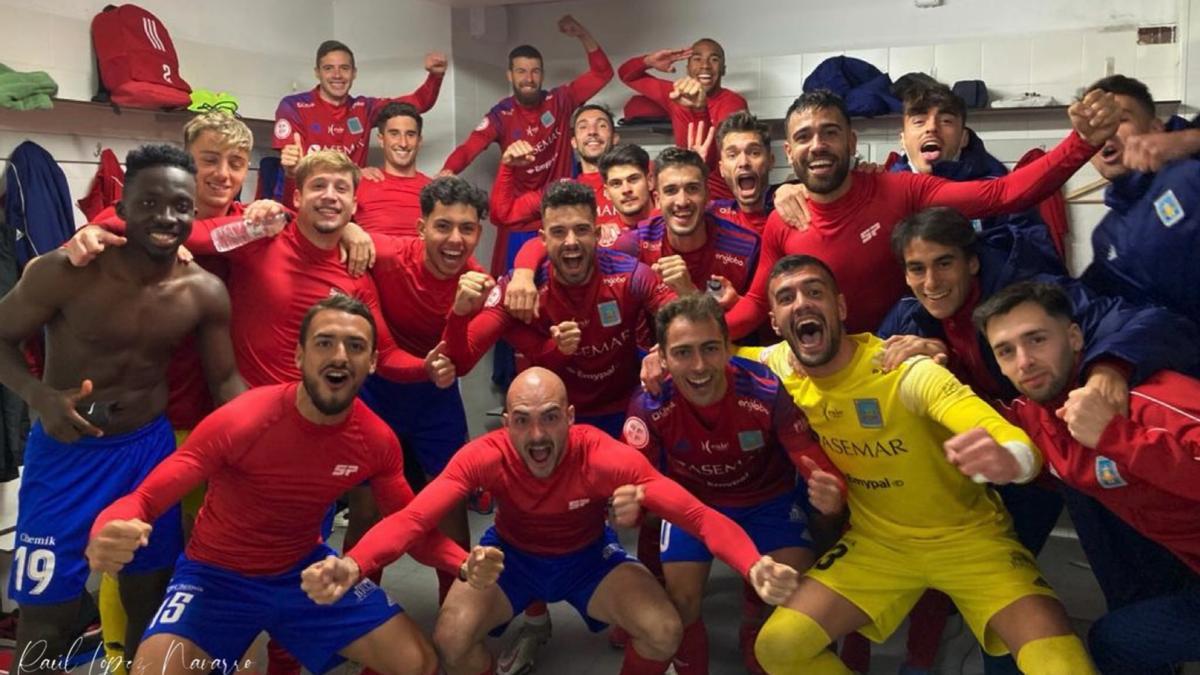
point(329, 118)
point(594, 136)
point(553, 479)
point(417, 278)
point(590, 304)
point(852, 214)
point(627, 186)
point(724, 428)
point(110, 328)
point(916, 447)
point(541, 119)
point(1140, 464)
point(745, 160)
point(391, 204)
point(691, 100)
point(274, 460)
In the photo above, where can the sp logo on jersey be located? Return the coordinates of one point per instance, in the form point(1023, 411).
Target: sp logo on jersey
point(1107, 474)
point(870, 416)
point(1168, 208)
point(345, 469)
point(610, 314)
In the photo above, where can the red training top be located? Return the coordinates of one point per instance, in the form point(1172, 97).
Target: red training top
point(555, 515)
point(1145, 468)
point(272, 475)
point(415, 303)
point(853, 233)
point(390, 206)
point(721, 103)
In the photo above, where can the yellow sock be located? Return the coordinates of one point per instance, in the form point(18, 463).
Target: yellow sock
point(792, 643)
point(1058, 655)
point(112, 624)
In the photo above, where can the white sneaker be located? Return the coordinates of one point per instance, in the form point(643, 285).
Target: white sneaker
point(518, 658)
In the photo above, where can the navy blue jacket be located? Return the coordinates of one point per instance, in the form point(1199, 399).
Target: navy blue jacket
point(1147, 247)
point(1148, 338)
point(37, 202)
point(975, 163)
point(866, 91)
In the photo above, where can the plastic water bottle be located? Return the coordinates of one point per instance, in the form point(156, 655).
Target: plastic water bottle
point(241, 232)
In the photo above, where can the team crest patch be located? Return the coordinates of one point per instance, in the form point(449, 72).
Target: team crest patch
point(547, 119)
point(483, 124)
point(751, 440)
point(636, 433)
point(354, 125)
point(283, 129)
point(493, 298)
point(610, 314)
point(1107, 474)
point(869, 414)
point(1168, 208)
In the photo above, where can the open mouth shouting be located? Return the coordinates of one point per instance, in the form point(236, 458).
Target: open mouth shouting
point(540, 454)
point(747, 182)
point(931, 150)
point(810, 334)
point(1111, 152)
point(336, 377)
point(572, 260)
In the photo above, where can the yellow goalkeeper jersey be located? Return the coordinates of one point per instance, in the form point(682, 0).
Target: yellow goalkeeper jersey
point(885, 432)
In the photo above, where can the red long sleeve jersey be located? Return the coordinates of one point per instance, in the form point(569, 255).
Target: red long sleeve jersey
point(390, 206)
point(188, 397)
point(1145, 468)
point(546, 126)
point(346, 127)
point(734, 452)
point(272, 283)
point(272, 475)
point(722, 103)
point(555, 515)
point(414, 302)
point(729, 250)
point(853, 233)
point(522, 211)
point(603, 373)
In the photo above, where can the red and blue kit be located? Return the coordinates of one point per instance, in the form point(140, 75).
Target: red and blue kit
point(346, 127)
point(852, 234)
point(602, 374)
point(729, 250)
point(730, 210)
point(390, 206)
point(546, 126)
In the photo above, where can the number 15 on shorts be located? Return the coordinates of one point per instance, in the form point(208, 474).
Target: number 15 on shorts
point(172, 608)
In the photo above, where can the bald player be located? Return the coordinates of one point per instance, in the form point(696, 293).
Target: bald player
point(552, 480)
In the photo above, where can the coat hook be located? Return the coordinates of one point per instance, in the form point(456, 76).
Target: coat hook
point(98, 150)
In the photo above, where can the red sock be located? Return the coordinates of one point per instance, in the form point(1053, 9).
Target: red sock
point(280, 661)
point(692, 656)
point(536, 608)
point(753, 607)
point(648, 551)
point(856, 653)
point(636, 664)
point(925, 625)
point(445, 580)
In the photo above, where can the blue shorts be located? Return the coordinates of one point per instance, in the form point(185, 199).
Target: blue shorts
point(222, 611)
point(610, 424)
point(572, 577)
point(63, 488)
point(430, 422)
point(779, 522)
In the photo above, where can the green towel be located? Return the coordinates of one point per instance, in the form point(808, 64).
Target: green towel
point(26, 91)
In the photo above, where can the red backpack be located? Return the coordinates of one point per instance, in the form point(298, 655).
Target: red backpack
point(137, 60)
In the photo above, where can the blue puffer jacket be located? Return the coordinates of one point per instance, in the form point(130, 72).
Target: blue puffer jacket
point(1148, 338)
